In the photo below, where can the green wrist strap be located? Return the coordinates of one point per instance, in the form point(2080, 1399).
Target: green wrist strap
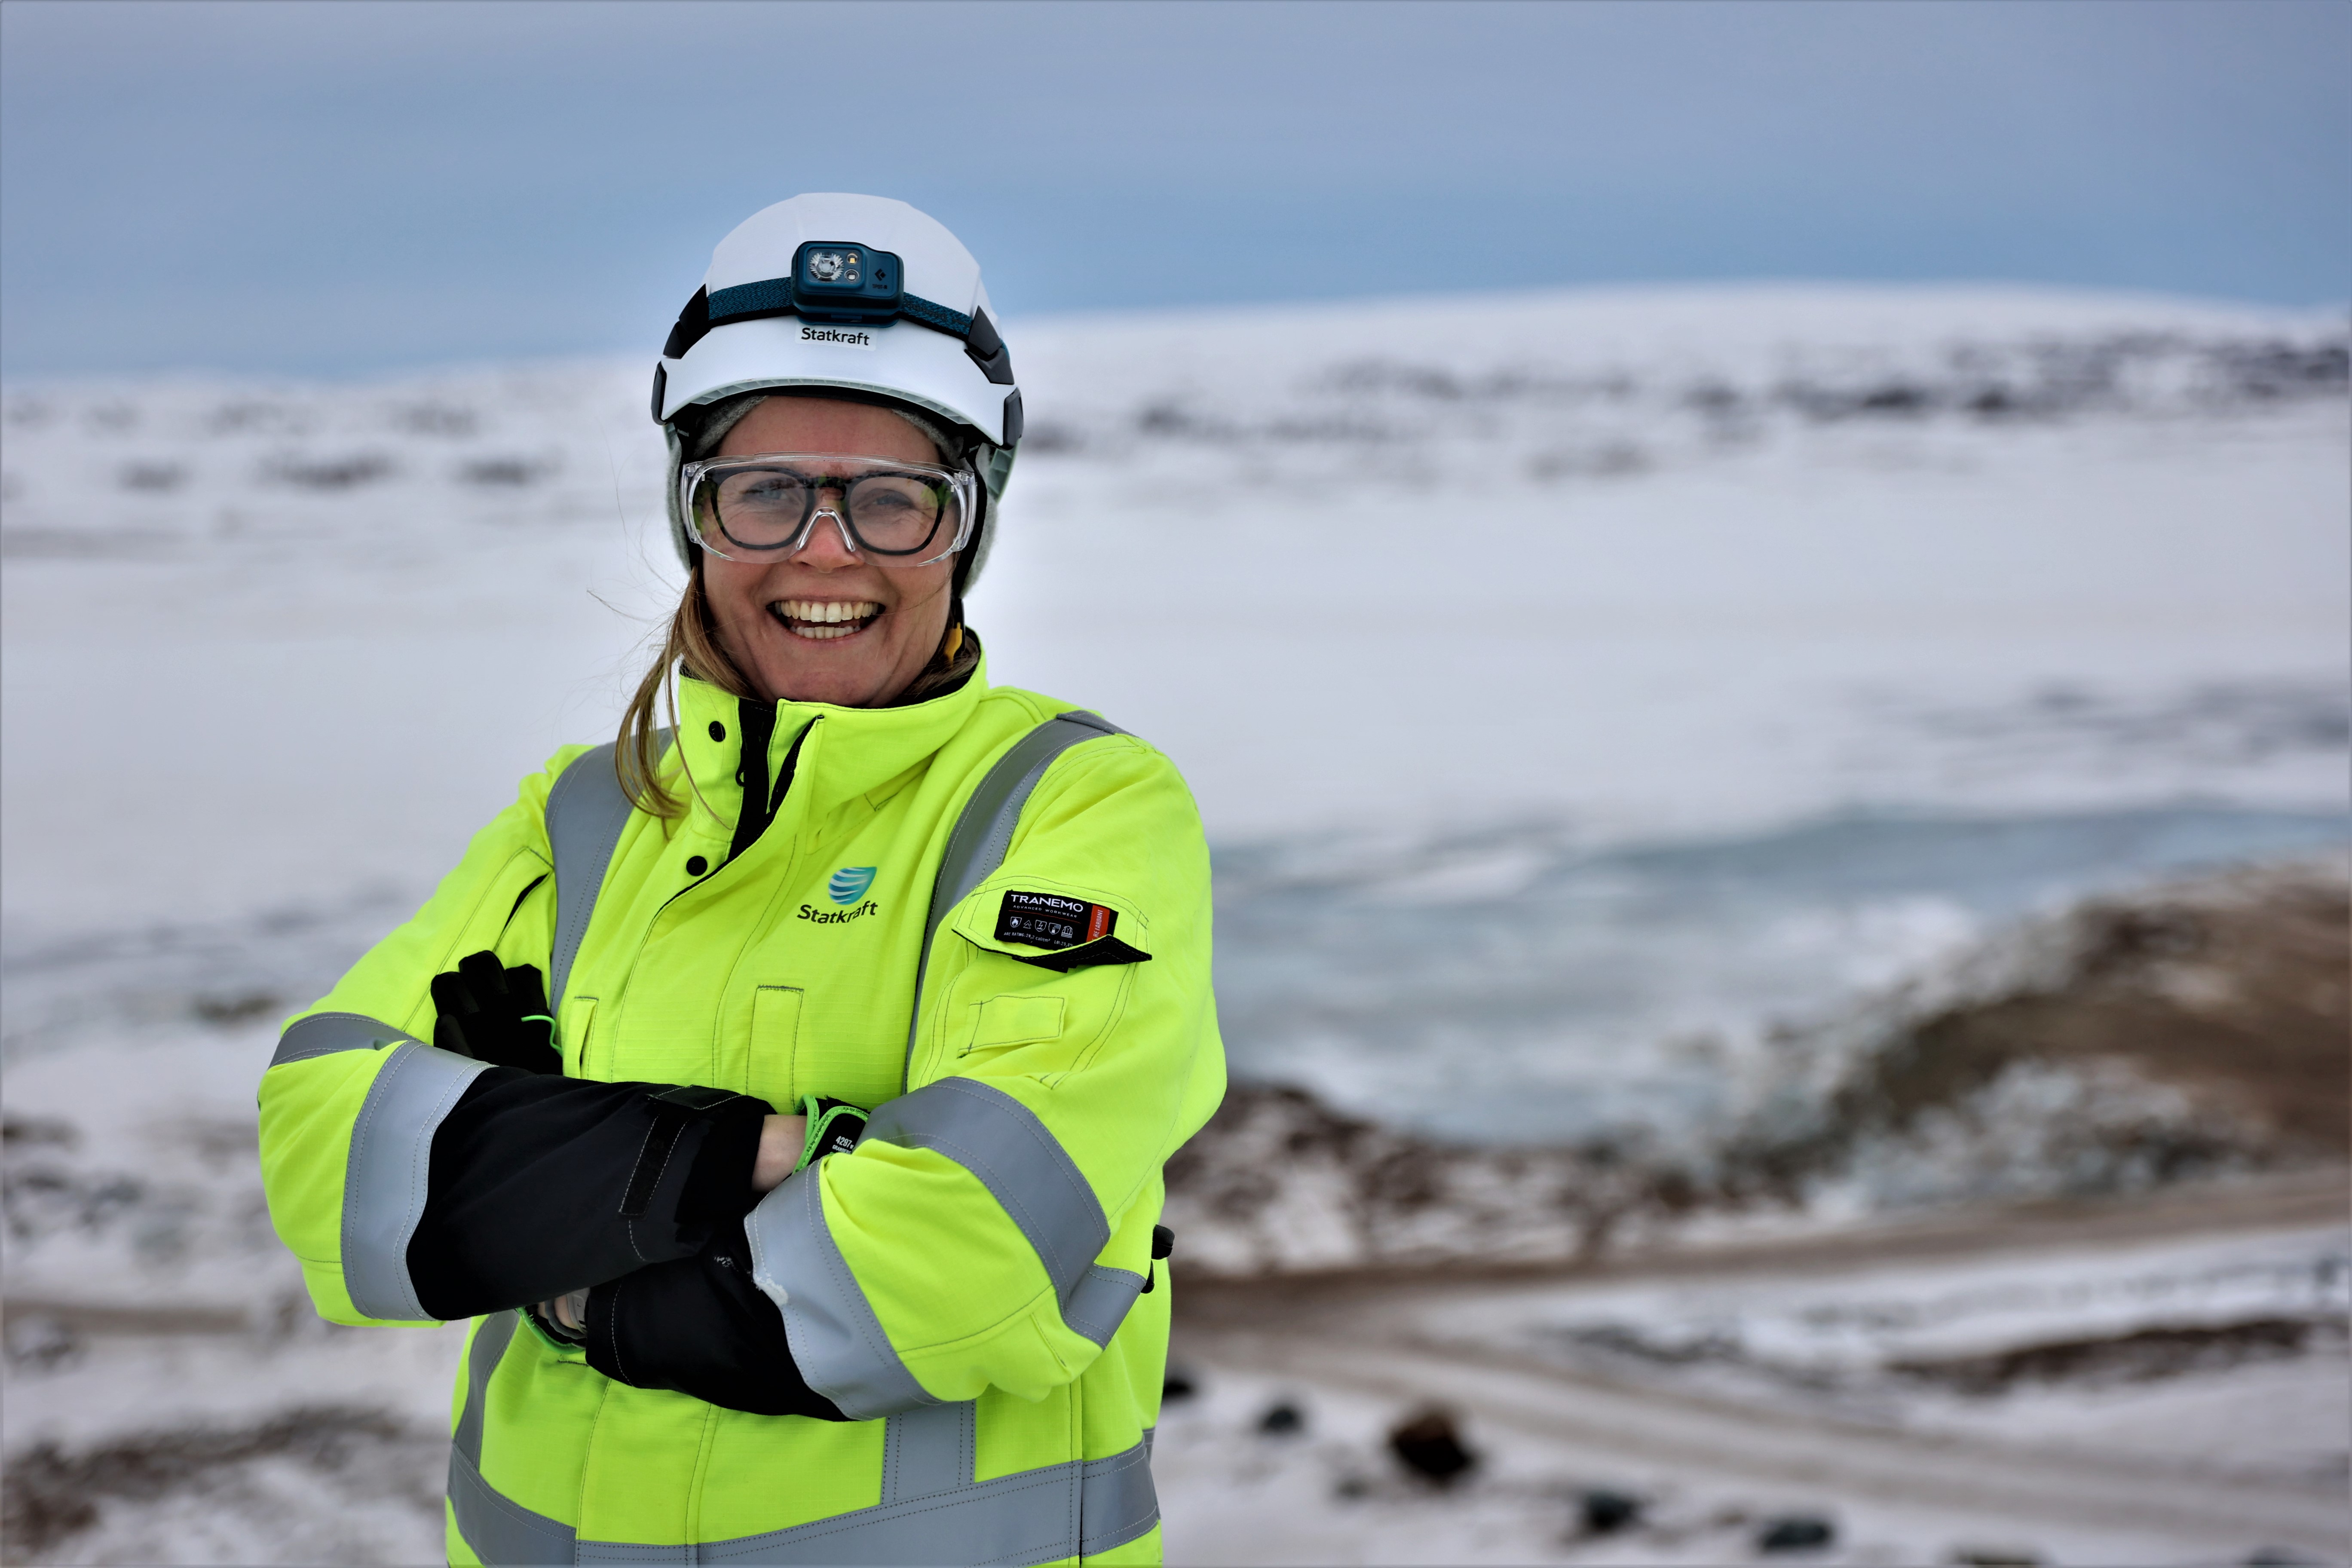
point(821, 1123)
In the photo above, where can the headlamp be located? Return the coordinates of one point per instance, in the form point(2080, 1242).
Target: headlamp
point(838, 282)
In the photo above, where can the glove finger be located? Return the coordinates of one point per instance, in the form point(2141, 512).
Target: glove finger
point(486, 977)
point(449, 1034)
point(452, 997)
point(529, 992)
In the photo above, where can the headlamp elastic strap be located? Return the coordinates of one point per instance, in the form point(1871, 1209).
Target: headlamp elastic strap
point(776, 297)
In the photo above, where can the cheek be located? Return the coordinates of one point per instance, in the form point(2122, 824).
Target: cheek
point(925, 594)
point(733, 591)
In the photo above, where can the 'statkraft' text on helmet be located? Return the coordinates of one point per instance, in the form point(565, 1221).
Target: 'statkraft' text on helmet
point(858, 292)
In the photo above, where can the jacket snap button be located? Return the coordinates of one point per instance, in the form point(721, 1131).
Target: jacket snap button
point(718, 730)
point(698, 866)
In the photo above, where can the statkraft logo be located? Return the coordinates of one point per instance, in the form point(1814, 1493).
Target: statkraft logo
point(849, 884)
point(848, 340)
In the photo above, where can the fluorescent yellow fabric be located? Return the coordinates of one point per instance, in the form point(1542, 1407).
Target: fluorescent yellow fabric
point(737, 981)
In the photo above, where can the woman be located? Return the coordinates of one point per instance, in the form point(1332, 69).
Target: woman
point(800, 1073)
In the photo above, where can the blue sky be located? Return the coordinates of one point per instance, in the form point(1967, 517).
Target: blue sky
point(345, 188)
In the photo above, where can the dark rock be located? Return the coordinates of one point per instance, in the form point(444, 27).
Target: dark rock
point(1606, 1512)
point(1428, 1444)
point(1281, 1420)
point(332, 473)
point(1795, 1533)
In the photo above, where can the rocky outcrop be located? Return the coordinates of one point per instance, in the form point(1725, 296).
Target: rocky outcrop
point(2186, 1032)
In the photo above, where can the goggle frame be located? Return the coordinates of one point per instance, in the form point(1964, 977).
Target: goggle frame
point(960, 482)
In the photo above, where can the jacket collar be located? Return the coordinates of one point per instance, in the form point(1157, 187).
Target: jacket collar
point(850, 752)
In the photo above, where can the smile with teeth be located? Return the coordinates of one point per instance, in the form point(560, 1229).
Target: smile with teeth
point(821, 620)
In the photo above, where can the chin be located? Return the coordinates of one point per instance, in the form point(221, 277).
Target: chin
point(808, 680)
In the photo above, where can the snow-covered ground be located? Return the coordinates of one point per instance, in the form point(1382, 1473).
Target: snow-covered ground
point(2178, 1393)
point(1576, 688)
point(2183, 1399)
point(1661, 664)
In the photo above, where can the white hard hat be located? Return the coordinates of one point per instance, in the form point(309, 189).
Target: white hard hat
point(862, 293)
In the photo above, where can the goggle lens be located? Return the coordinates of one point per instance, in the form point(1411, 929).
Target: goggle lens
point(757, 508)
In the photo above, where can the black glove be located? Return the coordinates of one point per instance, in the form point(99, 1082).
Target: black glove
point(540, 1184)
point(699, 1326)
point(495, 1014)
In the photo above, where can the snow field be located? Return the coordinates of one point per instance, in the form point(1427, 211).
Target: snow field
point(1574, 687)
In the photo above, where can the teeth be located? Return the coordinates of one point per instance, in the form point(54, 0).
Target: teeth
point(821, 620)
point(828, 612)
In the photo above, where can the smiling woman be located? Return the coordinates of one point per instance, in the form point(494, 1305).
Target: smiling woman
point(912, 1318)
point(823, 583)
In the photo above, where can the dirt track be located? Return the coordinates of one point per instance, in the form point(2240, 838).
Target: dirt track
point(1374, 1335)
point(2308, 1198)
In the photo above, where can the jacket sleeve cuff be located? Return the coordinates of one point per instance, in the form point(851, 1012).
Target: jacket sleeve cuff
point(836, 1341)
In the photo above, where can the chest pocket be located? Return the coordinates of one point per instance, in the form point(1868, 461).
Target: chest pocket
point(766, 1068)
point(801, 1045)
point(1004, 1000)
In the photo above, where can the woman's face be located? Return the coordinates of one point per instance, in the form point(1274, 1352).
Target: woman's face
point(766, 611)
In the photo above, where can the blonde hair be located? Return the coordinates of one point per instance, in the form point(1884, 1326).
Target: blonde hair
point(692, 648)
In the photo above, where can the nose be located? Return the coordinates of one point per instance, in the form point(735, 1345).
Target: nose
point(825, 544)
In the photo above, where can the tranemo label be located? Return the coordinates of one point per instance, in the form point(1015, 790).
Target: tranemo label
point(1050, 921)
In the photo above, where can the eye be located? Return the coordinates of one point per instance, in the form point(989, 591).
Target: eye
point(763, 490)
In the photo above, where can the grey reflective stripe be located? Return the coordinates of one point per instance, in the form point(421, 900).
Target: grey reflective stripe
point(500, 1530)
point(385, 1177)
point(618, 1552)
point(930, 1450)
point(931, 1510)
point(836, 1341)
point(585, 813)
point(504, 1533)
point(1117, 1501)
point(1028, 1172)
point(325, 1034)
point(1100, 1303)
point(482, 1358)
point(983, 830)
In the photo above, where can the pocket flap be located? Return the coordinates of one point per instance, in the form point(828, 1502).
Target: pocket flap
point(1014, 1021)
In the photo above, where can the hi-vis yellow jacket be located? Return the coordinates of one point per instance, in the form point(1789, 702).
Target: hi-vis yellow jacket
point(971, 1285)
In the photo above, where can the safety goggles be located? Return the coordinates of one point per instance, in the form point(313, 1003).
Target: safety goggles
point(760, 508)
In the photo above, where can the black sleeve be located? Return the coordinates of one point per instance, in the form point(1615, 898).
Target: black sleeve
point(701, 1327)
point(540, 1184)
